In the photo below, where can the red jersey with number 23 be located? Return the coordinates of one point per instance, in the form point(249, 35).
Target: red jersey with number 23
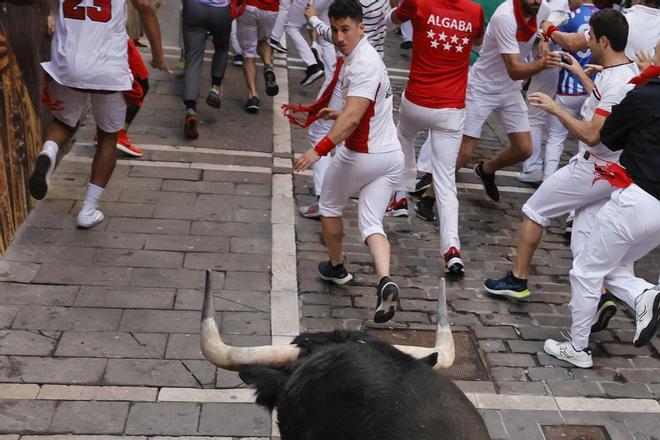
point(443, 33)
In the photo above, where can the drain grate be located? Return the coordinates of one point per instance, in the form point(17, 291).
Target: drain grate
point(467, 365)
point(575, 432)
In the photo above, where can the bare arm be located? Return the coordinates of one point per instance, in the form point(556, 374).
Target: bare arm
point(151, 28)
point(571, 41)
point(519, 70)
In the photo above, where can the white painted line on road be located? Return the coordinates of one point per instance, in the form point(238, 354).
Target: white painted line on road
point(607, 405)
point(189, 165)
point(192, 150)
point(240, 395)
point(81, 392)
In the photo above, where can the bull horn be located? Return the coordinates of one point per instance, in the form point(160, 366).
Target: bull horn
point(444, 342)
point(231, 358)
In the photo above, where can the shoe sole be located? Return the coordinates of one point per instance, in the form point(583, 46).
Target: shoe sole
point(272, 89)
point(510, 293)
point(605, 313)
point(38, 184)
point(213, 101)
point(577, 364)
point(303, 213)
point(455, 267)
point(423, 217)
point(278, 48)
point(648, 332)
point(128, 151)
point(387, 307)
point(87, 226)
point(338, 281)
point(252, 109)
point(237, 63)
point(496, 197)
point(190, 129)
point(397, 213)
point(313, 78)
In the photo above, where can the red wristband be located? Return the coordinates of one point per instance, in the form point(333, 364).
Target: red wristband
point(548, 33)
point(324, 146)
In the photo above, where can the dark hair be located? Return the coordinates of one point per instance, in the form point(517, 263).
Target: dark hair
point(612, 25)
point(346, 9)
point(652, 3)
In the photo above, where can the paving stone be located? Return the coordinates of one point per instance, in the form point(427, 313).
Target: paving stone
point(245, 323)
point(187, 243)
point(510, 360)
point(198, 211)
point(641, 376)
point(533, 388)
point(93, 276)
point(525, 425)
point(234, 420)
point(247, 281)
point(223, 229)
point(125, 297)
point(160, 321)
point(173, 278)
point(19, 342)
point(617, 425)
point(595, 374)
point(628, 390)
point(203, 371)
point(236, 177)
point(38, 295)
point(184, 346)
point(163, 418)
point(119, 209)
point(518, 346)
point(626, 349)
point(32, 369)
point(250, 246)
point(102, 239)
point(199, 187)
point(136, 258)
point(228, 262)
point(548, 374)
point(230, 300)
point(50, 254)
point(575, 389)
point(25, 416)
point(67, 319)
point(149, 226)
point(17, 272)
point(471, 386)
point(495, 332)
point(89, 418)
point(508, 374)
point(148, 372)
point(494, 424)
point(7, 315)
point(228, 379)
point(101, 344)
point(324, 299)
point(644, 362)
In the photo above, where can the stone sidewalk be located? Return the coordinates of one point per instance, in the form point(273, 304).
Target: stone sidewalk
point(99, 329)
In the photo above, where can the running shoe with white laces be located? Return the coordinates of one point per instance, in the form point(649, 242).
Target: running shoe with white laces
point(276, 45)
point(40, 177)
point(335, 274)
point(423, 184)
point(566, 352)
point(388, 294)
point(86, 220)
point(508, 286)
point(397, 208)
point(312, 73)
point(454, 262)
point(237, 60)
point(213, 99)
point(647, 313)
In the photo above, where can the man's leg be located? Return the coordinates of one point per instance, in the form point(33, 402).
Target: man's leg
point(194, 41)
point(519, 150)
point(333, 235)
point(219, 23)
point(295, 21)
point(247, 33)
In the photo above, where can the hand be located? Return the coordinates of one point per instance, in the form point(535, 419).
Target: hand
point(551, 60)
point(310, 10)
point(51, 25)
point(309, 158)
point(545, 25)
point(569, 63)
point(592, 69)
point(643, 60)
point(160, 64)
point(544, 48)
point(328, 113)
point(542, 100)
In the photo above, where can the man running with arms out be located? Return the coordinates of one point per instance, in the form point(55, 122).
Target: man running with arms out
point(89, 56)
point(443, 34)
point(371, 161)
point(496, 80)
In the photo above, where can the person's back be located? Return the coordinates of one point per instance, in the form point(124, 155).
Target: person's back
point(644, 25)
point(578, 21)
point(89, 48)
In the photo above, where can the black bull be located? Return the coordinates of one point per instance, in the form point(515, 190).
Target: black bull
point(349, 386)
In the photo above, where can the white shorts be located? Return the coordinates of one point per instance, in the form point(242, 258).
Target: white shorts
point(252, 26)
point(568, 189)
point(375, 175)
point(109, 109)
point(510, 109)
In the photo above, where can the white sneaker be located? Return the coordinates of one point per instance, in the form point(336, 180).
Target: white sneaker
point(565, 351)
point(535, 176)
point(647, 313)
point(86, 221)
point(311, 211)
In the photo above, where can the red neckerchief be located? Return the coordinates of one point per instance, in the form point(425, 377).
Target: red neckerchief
point(526, 27)
point(237, 8)
point(313, 110)
point(612, 172)
point(644, 77)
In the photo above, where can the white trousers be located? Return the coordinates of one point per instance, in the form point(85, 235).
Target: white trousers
point(234, 40)
point(407, 30)
point(546, 82)
point(446, 133)
point(557, 132)
point(296, 20)
point(282, 14)
point(374, 175)
point(624, 230)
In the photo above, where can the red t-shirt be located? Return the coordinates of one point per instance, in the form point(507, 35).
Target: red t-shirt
point(265, 5)
point(443, 32)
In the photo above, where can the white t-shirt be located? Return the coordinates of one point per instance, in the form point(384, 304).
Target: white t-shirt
point(364, 75)
point(643, 29)
point(90, 49)
point(489, 74)
point(610, 87)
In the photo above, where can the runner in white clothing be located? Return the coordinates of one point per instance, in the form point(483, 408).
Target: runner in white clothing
point(371, 161)
point(89, 57)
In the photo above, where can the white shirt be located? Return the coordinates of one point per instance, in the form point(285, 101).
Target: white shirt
point(610, 87)
point(643, 29)
point(90, 47)
point(364, 75)
point(489, 74)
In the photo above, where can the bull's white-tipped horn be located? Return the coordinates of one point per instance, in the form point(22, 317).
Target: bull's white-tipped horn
point(444, 342)
point(228, 357)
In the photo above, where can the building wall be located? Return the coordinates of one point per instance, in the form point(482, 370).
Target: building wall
point(23, 44)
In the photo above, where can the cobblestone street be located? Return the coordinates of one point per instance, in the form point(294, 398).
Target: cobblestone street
point(99, 329)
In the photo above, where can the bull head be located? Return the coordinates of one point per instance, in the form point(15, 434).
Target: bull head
point(231, 358)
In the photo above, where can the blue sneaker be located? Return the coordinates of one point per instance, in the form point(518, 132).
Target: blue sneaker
point(507, 286)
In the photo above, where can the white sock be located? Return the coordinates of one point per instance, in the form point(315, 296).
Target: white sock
point(51, 149)
point(400, 195)
point(91, 202)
